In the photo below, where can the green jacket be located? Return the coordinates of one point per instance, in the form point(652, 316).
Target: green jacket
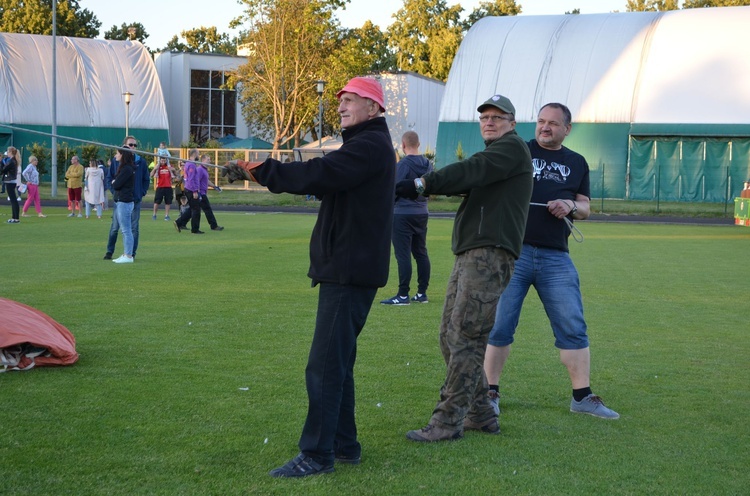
point(496, 183)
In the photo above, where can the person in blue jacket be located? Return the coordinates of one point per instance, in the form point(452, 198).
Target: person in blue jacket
point(142, 183)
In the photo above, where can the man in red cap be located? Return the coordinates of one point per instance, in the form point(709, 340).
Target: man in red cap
point(496, 184)
point(349, 261)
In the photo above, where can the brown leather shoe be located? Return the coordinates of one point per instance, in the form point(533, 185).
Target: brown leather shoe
point(432, 433)
point(491, 426)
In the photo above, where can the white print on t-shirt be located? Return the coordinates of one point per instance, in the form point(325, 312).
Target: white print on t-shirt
point(550, 172)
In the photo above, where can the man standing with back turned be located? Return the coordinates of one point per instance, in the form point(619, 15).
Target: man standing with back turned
point(349, 259)
point(487, 237)
point(561, 182)
point(410, 226)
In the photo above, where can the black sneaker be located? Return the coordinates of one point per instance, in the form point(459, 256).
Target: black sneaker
point(396, 300)
point(108, 256)
point(301, 466)
point(349, 460)
point(217, 228)
point(420, 298)
point(197, 232)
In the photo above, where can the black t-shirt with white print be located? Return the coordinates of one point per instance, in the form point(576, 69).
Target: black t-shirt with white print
point(558, 174)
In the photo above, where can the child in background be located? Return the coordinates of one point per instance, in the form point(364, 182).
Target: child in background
point(162, 151)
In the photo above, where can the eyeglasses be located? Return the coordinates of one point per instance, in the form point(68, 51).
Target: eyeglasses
point(494, 118)
point(132, 145)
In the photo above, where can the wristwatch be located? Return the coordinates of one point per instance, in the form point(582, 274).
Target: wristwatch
point(419, 185)
point(574, 209)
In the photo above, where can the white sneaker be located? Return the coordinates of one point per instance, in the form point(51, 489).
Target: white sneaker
point(123, 259)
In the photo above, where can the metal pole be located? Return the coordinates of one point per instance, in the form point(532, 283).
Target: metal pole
point(602, 187)
point(729, 190)
point(320, 121)
point(127, 96)
point(320, 88)
point(53, 166)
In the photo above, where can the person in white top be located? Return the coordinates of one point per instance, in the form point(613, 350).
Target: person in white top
point(94, 189)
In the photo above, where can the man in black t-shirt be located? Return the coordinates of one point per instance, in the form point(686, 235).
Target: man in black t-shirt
point(561, 190)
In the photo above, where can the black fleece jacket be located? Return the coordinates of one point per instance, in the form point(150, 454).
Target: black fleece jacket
point(351, 240)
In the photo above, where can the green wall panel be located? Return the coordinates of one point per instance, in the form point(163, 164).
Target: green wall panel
point(605, 147)
point(670, 162)
point(148, 138)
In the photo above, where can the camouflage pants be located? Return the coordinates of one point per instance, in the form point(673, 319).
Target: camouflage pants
point(478, 279)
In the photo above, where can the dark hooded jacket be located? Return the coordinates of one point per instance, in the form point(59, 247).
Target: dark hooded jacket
point(411, 167)
point(496, 184)
point(351, 240)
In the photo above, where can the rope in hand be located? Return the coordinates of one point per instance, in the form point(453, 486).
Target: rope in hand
point(105, 145)
point(574, 231)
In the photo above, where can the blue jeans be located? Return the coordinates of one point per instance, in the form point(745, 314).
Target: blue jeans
point(410, 239)
point(124, 212)
point(135, 218)
point(330, 428)
point(555, 279)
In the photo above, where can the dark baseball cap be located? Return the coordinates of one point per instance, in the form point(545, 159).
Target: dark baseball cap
point(499, 102)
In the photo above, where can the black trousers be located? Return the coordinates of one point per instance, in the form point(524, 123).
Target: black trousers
point(410, 239)
point(330, 428)
point(194, 214)
point(13, 195)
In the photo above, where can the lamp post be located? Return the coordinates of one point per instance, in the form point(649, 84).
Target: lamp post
point(127, 96)
point(319, 88)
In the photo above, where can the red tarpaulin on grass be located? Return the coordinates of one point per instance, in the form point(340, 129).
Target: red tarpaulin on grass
point(30, 338)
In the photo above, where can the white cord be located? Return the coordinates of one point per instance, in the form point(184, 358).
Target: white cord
point(574, 231)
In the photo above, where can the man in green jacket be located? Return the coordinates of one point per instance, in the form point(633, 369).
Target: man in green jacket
point(496, 184)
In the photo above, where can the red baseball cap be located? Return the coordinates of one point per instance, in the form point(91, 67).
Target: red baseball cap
point(366, 87)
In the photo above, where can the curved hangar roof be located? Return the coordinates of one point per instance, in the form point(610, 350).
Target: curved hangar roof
point(92, 76)
point(683, 66)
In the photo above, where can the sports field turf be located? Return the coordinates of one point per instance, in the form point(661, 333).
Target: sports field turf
point(191, 370)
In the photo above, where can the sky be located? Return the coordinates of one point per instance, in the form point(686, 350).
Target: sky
point(163, 19)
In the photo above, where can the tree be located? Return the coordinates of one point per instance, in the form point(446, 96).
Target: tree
point(366, 50)
point(175, 45)
point(357, 52)
point(693, 4)
point(127, 31)
point(289, 41)
point(497, 8)
point(203, 40)
point(425, 37)
point(651, 5)
point(574, 11)
point(35, 17)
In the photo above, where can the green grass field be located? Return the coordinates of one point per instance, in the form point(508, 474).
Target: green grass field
point(191, 372)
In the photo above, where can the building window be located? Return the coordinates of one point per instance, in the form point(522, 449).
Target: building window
point(213, 110)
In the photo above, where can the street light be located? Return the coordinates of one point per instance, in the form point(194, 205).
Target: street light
point(127, 96)
point(320, 87)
